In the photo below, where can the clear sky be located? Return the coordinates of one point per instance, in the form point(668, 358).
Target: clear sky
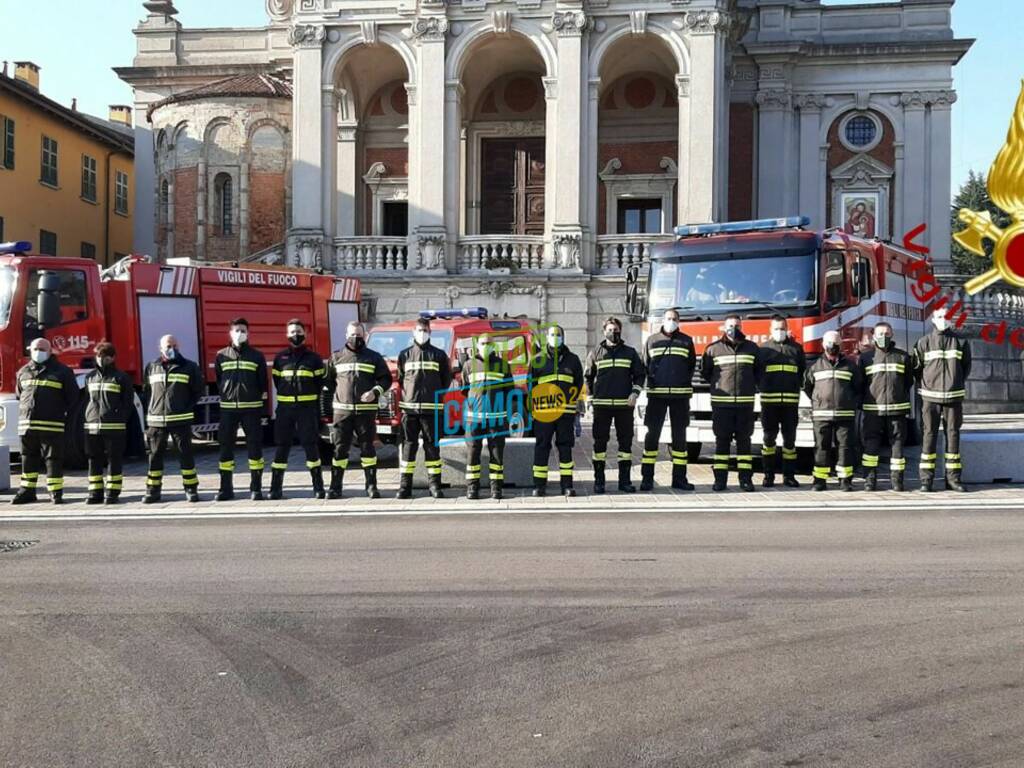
point(76, 42)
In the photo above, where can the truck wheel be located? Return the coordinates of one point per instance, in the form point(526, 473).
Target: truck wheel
point(693, 452)
point(74, 443)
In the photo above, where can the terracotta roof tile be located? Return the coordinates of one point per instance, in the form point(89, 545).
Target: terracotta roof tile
point(266, 86)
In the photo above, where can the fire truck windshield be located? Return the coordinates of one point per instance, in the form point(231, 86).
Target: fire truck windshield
point(390, 342)
point(7, 278)
point(726, 284)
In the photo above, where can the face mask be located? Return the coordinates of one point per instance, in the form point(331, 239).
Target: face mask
point(356, 342)
point(882, 340)
point(831, 350)
point(779, 335)
point(297, 339)
point(732, 331)
point(103, 362)
point(169, 353)
point(614, 335)
point(483, 351)
point(40, 355)
point(555, 340)
point(669, 326)
point(940, 322)
point(421, 336)
point(239, 337)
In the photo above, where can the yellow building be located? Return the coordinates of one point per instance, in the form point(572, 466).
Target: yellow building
point(66, 178)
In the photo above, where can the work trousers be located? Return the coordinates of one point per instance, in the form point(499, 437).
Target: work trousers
point(495, 433)
point(837, 433)
point(774, 419)
point(227, 435)
point(363, 426)
point(878, 429)
point(156, 445)
point(105, 452)
point(563, 431)
point(936, 416)
point(39, 449)
point(733, 424)
point(415, 424)
point(678, 411)
point(302, 422)
point(604, 418)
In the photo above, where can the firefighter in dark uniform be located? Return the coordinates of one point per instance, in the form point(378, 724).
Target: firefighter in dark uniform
point(359, 377)
point(487, 379)
point(669, 360)
point(887, 374)
point(424, 373)
point(556, 379)
point(47, 393)
point(299, 377)
point(942, 363)
point(782, 364)
point(111, 399)
point(729, 365)
point(615, 376)
point(173, 386)
point(833, 384)
point(241, 372)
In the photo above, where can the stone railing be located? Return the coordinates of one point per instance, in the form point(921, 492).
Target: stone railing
point(617, 252)
point(371, 254)
point(487, 253)
point(998, 302)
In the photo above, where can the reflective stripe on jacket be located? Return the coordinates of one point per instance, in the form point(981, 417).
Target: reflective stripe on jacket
point(730, 368)
point(47, 393)
point(241, 378)
point(111, 397)
point(613, 373)
point(887, 376)
point(299, 376)
point(782, 368)
point(354, 373)
point(834, 388)
point(942, 363)
point(669, 361)
point(173, 388)
point(424, 373)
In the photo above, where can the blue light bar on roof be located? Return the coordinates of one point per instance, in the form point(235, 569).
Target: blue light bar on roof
point(731, 227)
point(451, 314)
point(20, 246)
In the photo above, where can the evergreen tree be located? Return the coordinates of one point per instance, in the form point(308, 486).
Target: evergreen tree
point(973, 194)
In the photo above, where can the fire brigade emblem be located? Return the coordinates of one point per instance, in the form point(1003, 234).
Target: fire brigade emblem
point(1006, 188)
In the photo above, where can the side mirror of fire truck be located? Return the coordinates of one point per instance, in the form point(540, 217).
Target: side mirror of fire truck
point(633, 303)
point(861, 279)
point(48, 302)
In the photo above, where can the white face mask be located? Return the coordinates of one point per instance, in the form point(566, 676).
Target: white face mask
point(940, 322)
point(779, 335)
point(421, 336)
point(239, 337)
point(39, 355)
point(669, 326)
point(555, 340)
point(169, 353)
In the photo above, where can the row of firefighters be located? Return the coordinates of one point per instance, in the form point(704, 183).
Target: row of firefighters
point(878, 383)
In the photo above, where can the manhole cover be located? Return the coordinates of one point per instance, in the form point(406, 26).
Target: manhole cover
point(12, 546)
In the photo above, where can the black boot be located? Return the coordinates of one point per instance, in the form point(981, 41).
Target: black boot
point(370, 473)
point(435, 487)
point(57, 497)
point(721, 479)
point(276, 484)
point(790, 481)
point(953, 482)
point(473, 490)
point(846, 484)
point(625, 484)
point(540, 486)
point(646, 477)
point(317, 476)
point(95, 497)
point(113, 497)
point(679, 481)
point(819, 484)
point(768, 465)
point(404, 487)
point(256, 485)
point(746, 481)
point(337, 480)
point(25, 496)
point(565, 483)
point(927, 478)
point(871, 480)
point(192, 494)
point(227, 486)
point(896, 476)
point(598, 478)
point(497, 492)
point(152, 495)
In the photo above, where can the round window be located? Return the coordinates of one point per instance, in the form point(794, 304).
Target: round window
point(861, 131)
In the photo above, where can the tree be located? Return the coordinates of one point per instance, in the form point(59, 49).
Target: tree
point(973, 194)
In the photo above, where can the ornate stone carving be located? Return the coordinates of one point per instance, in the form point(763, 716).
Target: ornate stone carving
point(638, 22)
point(496, 289)
point(429, 28)
point(775, 98)
point(307, 35)
point(567, 247)
point(811, 100)
point(279, 10)
point(682, 86)
point(309, 5)
point(706, 22)
point(611, 167)
point(309, 251)
point(368, 30)
point(518, 128)
point(550, 87)
point(922, 99)
point(502, 22)
point(570, 23)
point(376, 171)
point(431, 251)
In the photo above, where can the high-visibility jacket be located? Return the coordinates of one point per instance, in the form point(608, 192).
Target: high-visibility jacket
point(173, 388)
point(488, 384)
point(47, 393)
point(299, 377)
point(425, 373)
point(782, 366)
point(887, 376)
point(730, 367)
point(354, 373)
point(613, 373)
point(834, 388)
point(560, 367)
point(942, 363)
point(111, 397)
point(241, 378)
point(669, 361)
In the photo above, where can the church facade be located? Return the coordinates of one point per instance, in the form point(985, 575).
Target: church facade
point(522, 154)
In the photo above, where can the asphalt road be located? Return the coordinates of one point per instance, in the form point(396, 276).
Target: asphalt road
point(698, 639)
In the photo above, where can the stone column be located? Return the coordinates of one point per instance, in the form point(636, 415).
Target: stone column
point(427, 175)
point(590, 180)
point(453, 151)
point(775, 163)
point(912, 184)
point(683, 161)
point(345, 225)
point(939, 144)
point(201, 209)
point(170, 219)
point(329, 166)
point(307, 135)
point(811, 195)
point(243, 210)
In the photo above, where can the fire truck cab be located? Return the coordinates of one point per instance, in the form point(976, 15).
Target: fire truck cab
point(819, 280)
point(455, 331)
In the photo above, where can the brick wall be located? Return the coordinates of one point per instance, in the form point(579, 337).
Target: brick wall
point(266, 210)
point(396, 159)
point(639, 157)
point(185, 186)
point(741, 162)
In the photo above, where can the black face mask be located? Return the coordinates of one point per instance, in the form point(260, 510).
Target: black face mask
point(613, 336)
point(297, 340)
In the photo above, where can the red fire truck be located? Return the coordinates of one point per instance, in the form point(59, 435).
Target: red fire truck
point(454, 331)
point(134, 303)
point(821, 281)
